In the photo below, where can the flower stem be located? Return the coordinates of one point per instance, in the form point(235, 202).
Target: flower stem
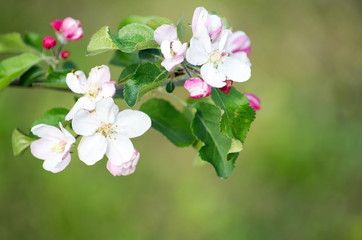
point(186, 69)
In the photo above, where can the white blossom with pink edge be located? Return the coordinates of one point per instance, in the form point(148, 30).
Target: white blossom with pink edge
point(217, 66)
point(172, 49)
point(254, 101)
point(197, 88)
point(95, 88)
point(238, 46)
point(108, 131)
point(53, 146)
point(205, 24)
point(68, 29)
point(126, 168)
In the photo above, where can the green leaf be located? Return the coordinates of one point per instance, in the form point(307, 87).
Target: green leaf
point(58, 78)
point(169, 121)
point(13, 67)
point(12, 42)
point(157, 22)
point(127, 73)
point(134, 37)
point(20, 142)
point(238, 114)
point(52, 117)
point(101, 42)
point(150, 55)
point(170, 86)
point(34, 40)
point(136, 19)
point(205, 126)
point(147, 77)
point(33, 74)
point(69, 66)
point(124, 59)
point(180, 28)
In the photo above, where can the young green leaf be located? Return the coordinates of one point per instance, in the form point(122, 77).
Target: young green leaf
point(136, 19)
point(147, 77)
point(20, 142)
point(101, 42)
point(169, 121)
point(52, 117)
point(124, 59)
point(150, 55)
point(12, 42)
point(127, 72)
point(156, 22)
point(33, 74)
point(180, 28)
point(34, 40)
point(13, 67)
point(205, 126)
point(69, 66)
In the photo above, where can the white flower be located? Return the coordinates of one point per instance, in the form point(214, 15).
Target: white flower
point(108, 131)
point(97, 87)
point(126, 168)
point(53, 146)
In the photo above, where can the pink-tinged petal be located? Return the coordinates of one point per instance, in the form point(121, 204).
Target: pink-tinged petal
point(77, 35)
point(254, 101)
point(196, 54)
point(99, 75)
point(47, 131)
point(70, 138)
point(169, 64)
point(212, 76)
point(126, 168)
point(132, 123)
point(76, 81)
point(106, 110)
point(92, 148)
point(225, 89)
point(214, 27)
point(182, 50)
point(239, 42)
point(108, 89)
point(195, 18)
point(85, 123)
point(82, 103)
point(166, 49)
point(56, 166)
point(225, 35)
point(57, 24)
point(165, 33)
point(119, 149)
point(72, 29)
point(42, 149)
point(241, 56)
point(235, 70)
point(197, 88)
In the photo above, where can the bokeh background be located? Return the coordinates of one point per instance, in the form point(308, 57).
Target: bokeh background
point(298, 177)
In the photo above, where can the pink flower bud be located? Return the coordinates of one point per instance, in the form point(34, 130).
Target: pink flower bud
point(126, 168)
point(225, 89)
point(72, 29)
point(197, 88)
point(254, 101)
point(65, 54)
point(49, 42)
point(57, 24)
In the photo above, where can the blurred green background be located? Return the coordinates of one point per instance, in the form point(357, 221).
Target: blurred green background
point(299, 176)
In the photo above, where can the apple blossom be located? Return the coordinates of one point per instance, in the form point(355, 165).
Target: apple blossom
point(53, 146)
point(126, 168)
point(225, 89)
point(68, 29)
point(238, 46)
point(254, 101)
point(197, 88)
point(65, 54)
point(57, 24)
point(108, 131)
point(49, 42)
point(172, 49)
point(96, 87)
point(204, 24)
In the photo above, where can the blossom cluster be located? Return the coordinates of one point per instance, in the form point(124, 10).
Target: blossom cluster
point(96, 118)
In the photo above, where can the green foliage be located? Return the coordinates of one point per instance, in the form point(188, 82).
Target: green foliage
point(12, 42)
point(136, 19)
point(57, 79)
point(20, 142)
point(238, 114)
point(13, 67)
point(205, 126)
point(170, 86)
point(157, 22)
point(69, 65)
point(127, 73)
point(169, 121)
point(134, 37)
point(150, 55)
point(124, 59)
point(33, 74)
point(180, 28)
point(148, 76)
point(34, 40)
point(52, 117)
point(101, 42)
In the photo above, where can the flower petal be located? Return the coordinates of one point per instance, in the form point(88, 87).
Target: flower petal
point(132, 123)
point(242, 56)
point(107, 90)
point(126, 168)
point(76, 81)
point(82, 103)
point(235, 70)
point(212, 76)
point(166, 49)
point(47, 131)
point(99, 75)
point(239, 42)
point(85, 123)
point(106, 110)
point(165, 33)
point(196, 54)
point(119, 149)
point(56, 166)
point(197, 88)
point(42, 149)
point(68, 135)
point(195, 19)
point(170, 63)
point(214, 26)
point(91, 149)
point(225, 35)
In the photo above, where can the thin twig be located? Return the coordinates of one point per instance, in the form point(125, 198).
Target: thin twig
point(186, 69)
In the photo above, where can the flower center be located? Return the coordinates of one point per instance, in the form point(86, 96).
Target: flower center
point(217, 57)
point(92, 92)
point(59, 147)
point(107, 130)
point(173, 53)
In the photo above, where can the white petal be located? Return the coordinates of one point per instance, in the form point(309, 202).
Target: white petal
point(195, 18)
point(225, 35)
point(106, 110)
point(119, 150)
point(56, 166)
point(70, 138)
point(214, 27)
point(82, 103)
point(165, 33)
point(166, 49)
point(76, 81)
point(91, 149)
point(182, 50)
point(212, 76)
point(47, 131)
point(42, 149)
point(99, 75)
point(132, 123)
point(235, 70)
point(196, 54)
point(107, 90)
point(170, 63)
point(242, 56)
point(85, 123)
